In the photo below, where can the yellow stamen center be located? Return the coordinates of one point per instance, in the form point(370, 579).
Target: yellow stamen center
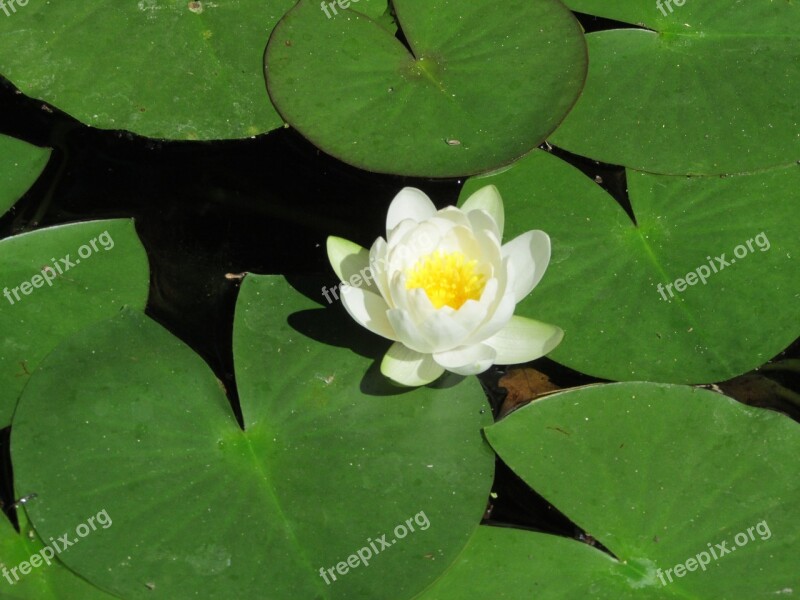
point(448, 278)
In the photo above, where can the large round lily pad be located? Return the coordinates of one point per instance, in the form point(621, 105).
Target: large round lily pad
point(481, 84)
point(126, 418)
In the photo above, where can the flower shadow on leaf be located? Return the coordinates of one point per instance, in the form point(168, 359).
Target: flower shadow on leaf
point(332, 326)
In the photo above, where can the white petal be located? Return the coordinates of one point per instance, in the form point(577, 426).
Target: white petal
point(407, 331)
point(351, 263)
point(407, 367)
point(405, 251)
point(409, 203)
point(498, 318)
point(379, 265)
point(471, 314)
point(419, 306)
point(414, 300)
point(480, 220)
point(442, 225)
point(368, 309)
point(523, 340)
point(467, 360)
point(399, 232)
point(442, 330)
point(528, 256)
point(487, 198)
point(453, 215)
point(490, 252)
point(490, 297)
point(461, 239)
point(346, 257)
point(398, 292)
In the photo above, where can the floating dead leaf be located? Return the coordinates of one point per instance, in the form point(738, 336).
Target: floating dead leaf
point(523, 385)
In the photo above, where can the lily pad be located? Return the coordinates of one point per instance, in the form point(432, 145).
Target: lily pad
point(331, 459)
point(374, 9)
point(602, 285)
point(159, 68)
point(51, 581)
point(56, 281)
point(513, 564)
point(478, 86)
point(20, 165)
point(660, 475)
point(711, 89)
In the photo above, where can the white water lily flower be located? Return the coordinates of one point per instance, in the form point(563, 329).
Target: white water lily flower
point(443, 288)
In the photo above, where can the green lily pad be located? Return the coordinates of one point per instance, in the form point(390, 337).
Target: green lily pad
point(658, 474)
point(20, 165)
point(712, 89)
point(90, 287)
point(160, 68)
point(331, 458)
point(374, 9)
point(46, 579)
point(519, 565)
point(602, 285)
point(480, 87)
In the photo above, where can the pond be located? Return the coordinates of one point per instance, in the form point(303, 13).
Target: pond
point(369, 299)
